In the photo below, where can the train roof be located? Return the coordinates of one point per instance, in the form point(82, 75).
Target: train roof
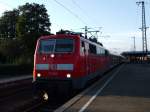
point(78, 35)
point(73, 35)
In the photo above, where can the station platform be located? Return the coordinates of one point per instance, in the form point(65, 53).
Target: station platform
point(4, 79)
point(124, 89)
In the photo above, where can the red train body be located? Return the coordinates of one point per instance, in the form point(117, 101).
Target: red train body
point(68, 60)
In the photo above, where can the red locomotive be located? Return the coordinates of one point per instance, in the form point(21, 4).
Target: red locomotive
point(69, 61)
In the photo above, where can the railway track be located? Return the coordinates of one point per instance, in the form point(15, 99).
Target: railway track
point(29, 106)
point(42, 107)
point(15, 93)
point(55, 101)
point(12, 87)
point(18, 97)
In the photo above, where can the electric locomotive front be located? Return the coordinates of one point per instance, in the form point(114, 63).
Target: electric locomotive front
point(55, 61)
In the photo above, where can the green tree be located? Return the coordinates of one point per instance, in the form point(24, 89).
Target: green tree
point(32, 23)
point(20, 29)
point(10, 50)
point(8, 24)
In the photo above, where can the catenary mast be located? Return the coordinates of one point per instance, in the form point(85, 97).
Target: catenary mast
point(144, 28)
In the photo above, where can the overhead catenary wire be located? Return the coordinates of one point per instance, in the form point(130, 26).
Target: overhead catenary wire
point(71, 12)
point(77, 5)
point(90, 18)
point(83, 11)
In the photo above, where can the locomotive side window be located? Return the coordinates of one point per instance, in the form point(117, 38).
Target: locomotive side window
point(47, 46)
point(64, 45)
point(106, 52)
point(92, 49)
point(82, 46)
point(100, 51)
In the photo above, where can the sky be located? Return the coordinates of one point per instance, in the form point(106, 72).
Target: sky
point(117, 20)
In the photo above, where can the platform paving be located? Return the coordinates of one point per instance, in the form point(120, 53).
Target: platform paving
point(127, 90)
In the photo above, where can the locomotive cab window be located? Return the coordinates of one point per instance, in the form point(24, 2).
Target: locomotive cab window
point(56, 45)
point(47, 46)
point(64, 45)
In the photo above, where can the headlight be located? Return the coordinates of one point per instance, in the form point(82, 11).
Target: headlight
point(38, 75)
point(52, 55)
point(68, 75)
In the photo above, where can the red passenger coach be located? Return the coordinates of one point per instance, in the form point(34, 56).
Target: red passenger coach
point(68, 60)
